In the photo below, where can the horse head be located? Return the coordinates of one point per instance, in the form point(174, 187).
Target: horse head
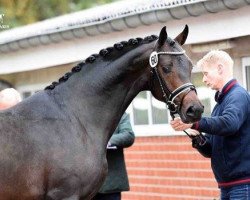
point(170, 77)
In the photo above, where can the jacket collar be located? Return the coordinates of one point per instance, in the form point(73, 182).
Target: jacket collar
point(219, 95)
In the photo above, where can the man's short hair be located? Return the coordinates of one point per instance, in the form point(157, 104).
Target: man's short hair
point(214, 56)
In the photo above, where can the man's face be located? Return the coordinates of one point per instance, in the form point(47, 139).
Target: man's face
point(211, 76)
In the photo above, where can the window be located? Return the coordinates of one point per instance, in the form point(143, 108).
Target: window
point(28, 90)
point(26, 94)
point(148, 110)
point(246, 72)
point(151, 117)
point(159, 111)
point(205, 94)
point(140, 107)
point(148, 115)
point(247, 68)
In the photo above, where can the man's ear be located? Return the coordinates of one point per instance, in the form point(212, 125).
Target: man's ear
point(220, 68)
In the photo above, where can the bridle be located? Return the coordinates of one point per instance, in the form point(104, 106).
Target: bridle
point(169, 100)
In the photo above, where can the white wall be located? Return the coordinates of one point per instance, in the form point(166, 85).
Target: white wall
point(205, 28)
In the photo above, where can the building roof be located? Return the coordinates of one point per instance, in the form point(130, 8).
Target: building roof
point(112, 17)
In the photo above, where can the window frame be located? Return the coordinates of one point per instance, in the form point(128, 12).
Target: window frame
point(140, 130)
point(32, 88)
point(163, 129)
point(245, 64)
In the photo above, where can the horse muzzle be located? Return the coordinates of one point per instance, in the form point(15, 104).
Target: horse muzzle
point(192, 109)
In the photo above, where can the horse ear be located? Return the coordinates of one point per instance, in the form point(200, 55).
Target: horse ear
point(181, 38)
point(163, 36)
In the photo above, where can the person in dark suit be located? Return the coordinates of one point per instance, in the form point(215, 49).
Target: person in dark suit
point(117, 178)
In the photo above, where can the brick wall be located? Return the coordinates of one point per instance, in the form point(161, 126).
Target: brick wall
point(168, 168)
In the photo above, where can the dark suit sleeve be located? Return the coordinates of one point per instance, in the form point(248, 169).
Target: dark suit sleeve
point(125, 136)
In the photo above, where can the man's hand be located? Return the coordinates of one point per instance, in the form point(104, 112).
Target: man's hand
point(178, 125)
point(193, 132)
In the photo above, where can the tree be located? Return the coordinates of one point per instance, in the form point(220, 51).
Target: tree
point(21, 12)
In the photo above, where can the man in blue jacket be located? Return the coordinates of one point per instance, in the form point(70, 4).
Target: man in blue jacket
point(227, 139)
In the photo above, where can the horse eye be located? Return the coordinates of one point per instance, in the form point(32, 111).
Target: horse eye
point(167, 69)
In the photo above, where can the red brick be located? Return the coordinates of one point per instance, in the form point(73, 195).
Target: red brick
point(180, 181)
point(168, 168)
point(200, 164)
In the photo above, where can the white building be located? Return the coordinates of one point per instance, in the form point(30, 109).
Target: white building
point(33, 56)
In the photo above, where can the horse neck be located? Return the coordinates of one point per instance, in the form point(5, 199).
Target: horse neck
point(99, 95)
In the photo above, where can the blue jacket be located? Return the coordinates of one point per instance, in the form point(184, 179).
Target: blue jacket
point(228, 135)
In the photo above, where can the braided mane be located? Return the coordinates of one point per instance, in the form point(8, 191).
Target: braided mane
point(105, 54)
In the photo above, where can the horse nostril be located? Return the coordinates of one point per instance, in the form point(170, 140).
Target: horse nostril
point(195, 112)
point(190, 111)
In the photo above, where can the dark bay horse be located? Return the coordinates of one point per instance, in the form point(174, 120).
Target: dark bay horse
point(53, 144)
